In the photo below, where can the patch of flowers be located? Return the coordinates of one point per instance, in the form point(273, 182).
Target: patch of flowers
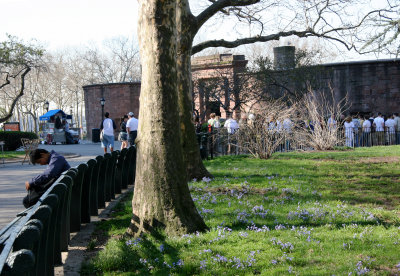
point(223, 232)
point(234, 262)
point(135, 242)
point(260, 211)
point(254, 228)
point(242, 216)
point(284, 246)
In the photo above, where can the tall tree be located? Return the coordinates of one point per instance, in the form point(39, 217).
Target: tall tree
point(16, 61)
point(118, 61)
point(161, 197)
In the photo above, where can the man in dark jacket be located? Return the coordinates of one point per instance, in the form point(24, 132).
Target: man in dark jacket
point(40, 183)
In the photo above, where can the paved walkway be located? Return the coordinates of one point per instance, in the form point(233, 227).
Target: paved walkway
point(13, 175)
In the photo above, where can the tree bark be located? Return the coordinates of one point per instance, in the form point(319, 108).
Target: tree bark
point(161, 195)
point(191, 151)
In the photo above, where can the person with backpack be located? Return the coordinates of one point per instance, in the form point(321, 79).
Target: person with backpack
point(107, 127)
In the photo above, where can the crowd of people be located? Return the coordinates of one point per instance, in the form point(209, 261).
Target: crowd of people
point(356, 130)
point(128, 131)
point(372, 131)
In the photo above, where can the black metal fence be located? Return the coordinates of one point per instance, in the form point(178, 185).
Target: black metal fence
point(32, 243)
point(219, 142)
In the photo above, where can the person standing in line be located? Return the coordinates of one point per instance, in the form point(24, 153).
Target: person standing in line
point(108, 126)
point(211, 121)
point(397, 127)
point(349, 131)
point(123, 135)
point(356, 130)
point(366, 132)
point(231, 125)
point(131, 128)
point(390, 126)
point(379, 124)
point(40, 183)
point(217, 123)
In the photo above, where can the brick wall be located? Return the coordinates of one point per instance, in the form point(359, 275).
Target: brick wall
point(120, 98)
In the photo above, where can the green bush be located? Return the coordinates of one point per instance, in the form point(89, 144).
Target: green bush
point(12, 139)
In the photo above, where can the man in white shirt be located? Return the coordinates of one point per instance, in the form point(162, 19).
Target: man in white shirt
point(366, 132)
point(132, 127)
point(231, 125)
point(390, 125)
point(379, 124)
point(107, 126)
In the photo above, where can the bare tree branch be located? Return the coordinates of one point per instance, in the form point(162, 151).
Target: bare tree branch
point(218, 6)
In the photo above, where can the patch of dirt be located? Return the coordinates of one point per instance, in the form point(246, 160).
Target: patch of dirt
point(383, 159)
point(225, 190)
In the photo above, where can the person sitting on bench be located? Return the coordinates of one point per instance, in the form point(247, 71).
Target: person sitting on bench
point(40, 183)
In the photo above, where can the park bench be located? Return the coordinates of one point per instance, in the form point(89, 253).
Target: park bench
point(29, 145)
point(32, 243)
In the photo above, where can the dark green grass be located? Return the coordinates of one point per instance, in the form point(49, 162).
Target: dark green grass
point(12, 154)
point(319, 213)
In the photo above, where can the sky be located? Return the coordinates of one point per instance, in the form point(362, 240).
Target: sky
point(68, 23)
point(59, 24)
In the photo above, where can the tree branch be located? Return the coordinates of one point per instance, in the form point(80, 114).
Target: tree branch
point(21, 93)
point(7, 81)
point(217, 6)
point(232, 44)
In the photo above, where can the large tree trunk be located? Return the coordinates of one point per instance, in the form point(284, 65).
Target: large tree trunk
point(191, 149)
point(161, 196)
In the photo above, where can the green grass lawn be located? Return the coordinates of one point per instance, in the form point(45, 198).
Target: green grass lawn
point(12, 154)
point(316, 213)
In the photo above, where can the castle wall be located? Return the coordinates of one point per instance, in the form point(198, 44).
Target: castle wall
point(371, 86)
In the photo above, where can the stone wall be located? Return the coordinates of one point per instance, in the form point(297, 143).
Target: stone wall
point(120, 98)
point(371, 86)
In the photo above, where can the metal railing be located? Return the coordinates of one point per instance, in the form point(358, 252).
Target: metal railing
point(219, 142)
point(32, 243)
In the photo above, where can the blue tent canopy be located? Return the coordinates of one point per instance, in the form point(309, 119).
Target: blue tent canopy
point(46, 117)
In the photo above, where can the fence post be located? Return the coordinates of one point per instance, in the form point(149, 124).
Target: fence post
point(20, 263)
point(94, 186)
point(52, 201)
point(114, 159)
point(118, 171)
point(64, 238)
point(75, 205)
point(87, 197)
point(43, 214)
point(101, 190)
point(60, 190)
point(107, 177)
point(125, 168)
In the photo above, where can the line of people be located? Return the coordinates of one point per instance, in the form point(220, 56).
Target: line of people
point(128, 131)
point(370, 131)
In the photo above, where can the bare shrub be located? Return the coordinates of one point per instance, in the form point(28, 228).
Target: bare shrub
point(267, 129)
point(322, 115)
